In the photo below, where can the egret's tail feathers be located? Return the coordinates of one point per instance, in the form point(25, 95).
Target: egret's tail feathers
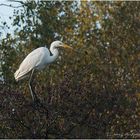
point(19, 76)
point(16, 75)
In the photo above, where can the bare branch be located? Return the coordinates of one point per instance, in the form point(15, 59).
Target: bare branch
point(10, 6)
point(16, 1)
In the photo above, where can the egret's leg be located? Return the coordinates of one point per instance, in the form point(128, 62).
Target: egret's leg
point(36, 100)
point(33, 94)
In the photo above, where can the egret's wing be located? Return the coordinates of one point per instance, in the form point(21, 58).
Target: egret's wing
point(34, 60)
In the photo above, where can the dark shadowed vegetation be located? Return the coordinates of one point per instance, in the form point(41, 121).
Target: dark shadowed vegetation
point(93, 92)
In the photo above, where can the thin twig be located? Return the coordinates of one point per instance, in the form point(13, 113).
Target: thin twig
point(16, 1)
point(10, 6)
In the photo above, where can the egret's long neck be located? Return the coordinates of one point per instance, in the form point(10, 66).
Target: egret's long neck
point(54, 52)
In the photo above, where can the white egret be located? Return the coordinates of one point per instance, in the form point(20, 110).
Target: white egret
point(38, 59)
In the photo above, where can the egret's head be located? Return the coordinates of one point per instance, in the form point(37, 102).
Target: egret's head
point(59, 44)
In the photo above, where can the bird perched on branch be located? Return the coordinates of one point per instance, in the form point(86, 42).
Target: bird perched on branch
point(38, 59)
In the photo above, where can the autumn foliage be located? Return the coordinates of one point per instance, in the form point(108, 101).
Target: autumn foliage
point(92, 92)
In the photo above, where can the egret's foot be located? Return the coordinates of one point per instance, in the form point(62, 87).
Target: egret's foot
point(37, 102)
point(38, 105)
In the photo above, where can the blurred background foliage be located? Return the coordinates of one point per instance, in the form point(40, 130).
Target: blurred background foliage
point(92, 92)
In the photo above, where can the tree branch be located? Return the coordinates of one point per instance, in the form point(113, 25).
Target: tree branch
point(10, 5)
point(16, 1)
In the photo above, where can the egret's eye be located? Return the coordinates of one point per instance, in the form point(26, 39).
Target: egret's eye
point(60, 44)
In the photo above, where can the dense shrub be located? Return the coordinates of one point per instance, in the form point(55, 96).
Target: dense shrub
point(92, 92)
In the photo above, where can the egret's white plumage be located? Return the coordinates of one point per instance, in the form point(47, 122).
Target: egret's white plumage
point(38, 59)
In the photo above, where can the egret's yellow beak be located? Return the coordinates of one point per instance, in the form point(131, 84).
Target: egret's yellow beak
point(68, 47)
